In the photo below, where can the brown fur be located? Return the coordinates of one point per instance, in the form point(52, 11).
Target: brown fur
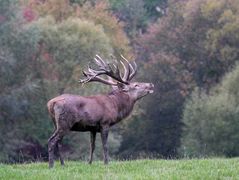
point(92, 113)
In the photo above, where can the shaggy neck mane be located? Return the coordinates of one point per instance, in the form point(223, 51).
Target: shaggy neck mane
point(123, 102)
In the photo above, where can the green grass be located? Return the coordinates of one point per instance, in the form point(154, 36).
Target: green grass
point(139, 169)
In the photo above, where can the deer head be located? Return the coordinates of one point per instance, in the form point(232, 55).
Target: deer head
point(118, 80)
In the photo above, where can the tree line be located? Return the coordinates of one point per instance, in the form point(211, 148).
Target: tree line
point(188, 49)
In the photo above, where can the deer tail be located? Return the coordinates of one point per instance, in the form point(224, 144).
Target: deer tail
point(50, 106)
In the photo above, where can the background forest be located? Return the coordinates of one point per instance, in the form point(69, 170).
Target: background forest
point(189, 49)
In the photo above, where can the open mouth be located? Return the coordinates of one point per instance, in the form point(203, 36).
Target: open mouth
point(151, 88)
point(151, 91)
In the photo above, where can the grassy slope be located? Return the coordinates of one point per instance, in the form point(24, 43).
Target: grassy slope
point(140, 169)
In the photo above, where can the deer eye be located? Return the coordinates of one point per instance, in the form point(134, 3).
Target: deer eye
point(136, 85)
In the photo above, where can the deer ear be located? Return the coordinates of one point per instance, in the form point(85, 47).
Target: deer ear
point(121, 86)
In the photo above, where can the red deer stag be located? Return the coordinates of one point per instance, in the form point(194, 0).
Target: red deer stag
point(96, 113)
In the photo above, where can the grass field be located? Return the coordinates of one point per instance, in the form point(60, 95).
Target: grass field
point(139, 169)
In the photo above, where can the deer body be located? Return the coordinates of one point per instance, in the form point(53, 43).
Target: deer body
point(90, 113)
point(95, 113)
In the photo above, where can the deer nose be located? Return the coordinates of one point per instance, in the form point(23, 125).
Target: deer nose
point(151, 88)
point(151, 85)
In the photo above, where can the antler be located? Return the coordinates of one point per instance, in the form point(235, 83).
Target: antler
point(130, 71)
point(111, 70)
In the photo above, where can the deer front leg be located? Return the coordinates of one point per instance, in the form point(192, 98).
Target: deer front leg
point(104, 138)
point(92, 145)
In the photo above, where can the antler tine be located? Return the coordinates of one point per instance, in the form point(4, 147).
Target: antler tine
point(95, 72)
point(102, 65)
point(111, 70)
point(92, 76)
point(125, 70)
point(115, 73)
point(98, 79)
point(130, 70)
point(133, 72)
point(100, 59)
point(116, 67)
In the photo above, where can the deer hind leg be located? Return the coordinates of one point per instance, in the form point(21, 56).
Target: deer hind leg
point(54, 142)
point(59, 144)
point(52, 145)
point(59, 149)
point(92, 145)
point(51, 148)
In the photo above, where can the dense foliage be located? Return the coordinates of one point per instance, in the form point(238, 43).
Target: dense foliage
point(42, 57)
point(137, 14)
point(211, 120)
point(178, 46)
point(194, 45)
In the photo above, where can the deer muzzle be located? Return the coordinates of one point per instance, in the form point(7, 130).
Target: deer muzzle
point(151, 88)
